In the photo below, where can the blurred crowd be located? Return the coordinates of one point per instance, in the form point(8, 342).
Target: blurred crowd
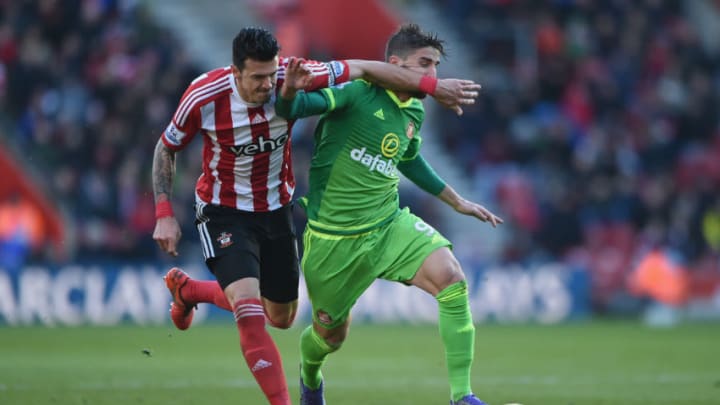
point(597, 136)
point(86, 88)
point(598, 133)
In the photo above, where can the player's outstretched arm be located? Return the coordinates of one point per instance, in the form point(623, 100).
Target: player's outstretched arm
point(463, 206)
point(167, 230)
point(418, 171)
point(450, 93)
point(294, 103)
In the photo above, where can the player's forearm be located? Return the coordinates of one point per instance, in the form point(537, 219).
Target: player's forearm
point(301, 105)
point(450, 197)
point(385, 75)
point(163, 172)
point(422, 175)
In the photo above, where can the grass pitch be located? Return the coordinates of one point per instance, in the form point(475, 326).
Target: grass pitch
point(599, 363)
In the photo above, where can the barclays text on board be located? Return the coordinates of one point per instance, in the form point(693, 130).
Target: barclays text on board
point(135, 294)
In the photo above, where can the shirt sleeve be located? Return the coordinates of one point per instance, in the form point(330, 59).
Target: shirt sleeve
point(418, 170)
point(303, 105)
point(345, 95)
point(325, 74)
point(413, 148)
point(184, 125)
point(325, 100)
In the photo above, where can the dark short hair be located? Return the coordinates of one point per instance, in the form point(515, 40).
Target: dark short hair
point(410, 38)
point(254, 43)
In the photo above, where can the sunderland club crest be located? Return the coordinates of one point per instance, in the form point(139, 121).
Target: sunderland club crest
point(324, 317)
point(410, 131)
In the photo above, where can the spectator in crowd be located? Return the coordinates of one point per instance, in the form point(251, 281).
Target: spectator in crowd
point(21, 231)
point(84, 84)
point(611, 104)
point(615, 102)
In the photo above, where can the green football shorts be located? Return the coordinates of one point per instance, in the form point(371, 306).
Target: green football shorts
point(339, 268)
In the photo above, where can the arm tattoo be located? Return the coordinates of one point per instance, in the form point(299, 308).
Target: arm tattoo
point(163, 172)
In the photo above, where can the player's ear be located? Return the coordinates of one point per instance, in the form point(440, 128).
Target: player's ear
point(235, 71)
point(395, 60)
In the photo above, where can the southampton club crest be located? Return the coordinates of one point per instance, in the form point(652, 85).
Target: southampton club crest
point(225, 239)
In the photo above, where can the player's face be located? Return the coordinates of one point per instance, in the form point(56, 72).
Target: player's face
point(423, 60)
point(257, 80)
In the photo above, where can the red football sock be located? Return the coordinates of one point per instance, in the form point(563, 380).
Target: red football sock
point(260, 352)
point(197, 291)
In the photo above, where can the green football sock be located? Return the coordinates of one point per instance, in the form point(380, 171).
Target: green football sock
point(313, 352)
point(458, 335)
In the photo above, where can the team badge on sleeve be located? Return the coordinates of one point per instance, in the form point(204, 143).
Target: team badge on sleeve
point(336, 69)
point(174, 135)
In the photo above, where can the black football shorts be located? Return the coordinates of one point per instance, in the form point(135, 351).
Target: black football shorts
point(240, 244)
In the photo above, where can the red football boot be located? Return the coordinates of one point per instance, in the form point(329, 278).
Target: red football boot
point(181, 311)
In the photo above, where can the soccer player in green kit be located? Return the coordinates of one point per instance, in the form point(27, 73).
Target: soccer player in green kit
point(356, 231)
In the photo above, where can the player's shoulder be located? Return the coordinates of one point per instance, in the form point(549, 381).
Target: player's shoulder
point(357, 85)
point(208, 86)
point(219, 77)
point(416, 108)
point(417, 103)
point(358, 91)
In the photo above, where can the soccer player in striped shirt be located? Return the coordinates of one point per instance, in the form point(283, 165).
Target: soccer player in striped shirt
point(356, 231)
point(243, 195)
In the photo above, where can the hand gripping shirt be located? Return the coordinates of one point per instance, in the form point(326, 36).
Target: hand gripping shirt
point(359, 142)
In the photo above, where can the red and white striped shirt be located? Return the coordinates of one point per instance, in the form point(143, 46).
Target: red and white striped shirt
point(246, 152)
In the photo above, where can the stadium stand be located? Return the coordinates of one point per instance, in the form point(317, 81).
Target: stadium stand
point(599, 131)
point(597, 134)
point(88, 87)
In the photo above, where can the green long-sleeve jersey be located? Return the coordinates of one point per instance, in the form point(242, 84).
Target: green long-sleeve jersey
point(364, 137)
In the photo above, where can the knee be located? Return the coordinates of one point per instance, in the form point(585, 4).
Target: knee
point(333, 337)
point(452, 272)
point(439, 271)
point(335, 341)
point(245, 289)
point(281, 319)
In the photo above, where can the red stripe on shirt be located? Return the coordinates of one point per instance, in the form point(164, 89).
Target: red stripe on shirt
point(206, 181)
point(286, 174)
point(225, 136)
point(261, 161)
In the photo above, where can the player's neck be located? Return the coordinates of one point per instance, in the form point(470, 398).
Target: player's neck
point(402, 95)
